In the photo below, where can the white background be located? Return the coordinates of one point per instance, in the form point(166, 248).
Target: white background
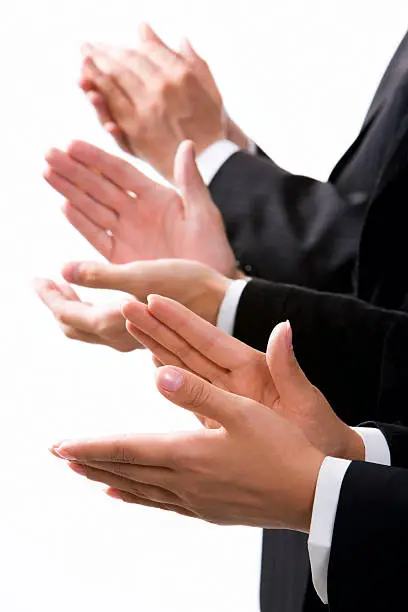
point(298, 77)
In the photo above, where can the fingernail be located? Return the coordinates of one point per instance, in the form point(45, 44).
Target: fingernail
point(63, 453)
point(78, 469)
point(72, 272)
point(289, 335)
point(170, 380)
point(114, 493)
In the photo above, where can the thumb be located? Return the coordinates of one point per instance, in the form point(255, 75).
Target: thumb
point(187, 177)
point(101, 275)
point(199, 396)
point(139, 278)
point(290, 381)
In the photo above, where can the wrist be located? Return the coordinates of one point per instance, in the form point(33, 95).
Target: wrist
point(236, 135)
point(307, 491)
point(355, 447)
point(211, 297)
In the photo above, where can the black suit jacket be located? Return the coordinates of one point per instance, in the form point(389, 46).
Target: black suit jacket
point(346, 236)
point(367, 566)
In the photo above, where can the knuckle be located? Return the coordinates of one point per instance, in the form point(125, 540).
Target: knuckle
point(198, 394)
point(120, 453)
point(90, 275)
point(182, 77)
point(164, 89)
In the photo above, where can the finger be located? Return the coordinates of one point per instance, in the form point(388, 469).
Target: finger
point(147, 34)
point(102, 110)
point(291, 383)
point(160, 354)
point(112, 104)
point(156, 362)
point(165, 341)
point(137, 278)
point(68, 292)
point(120, 76)
point(192, 393)
point(200, 69)
point(160, 53)
point(49, 293)
point(102, 216)
point(152, 450)
point(148, 488)
point(222, 349)
point(97, 275)
point(188, 180)
point(188, 52)
point(119, 172)
point(106, 120)
point(141, 64)
point(84, 177)
point(96, 236)
point(119, 136)
point(69, 312)
point(141, 501)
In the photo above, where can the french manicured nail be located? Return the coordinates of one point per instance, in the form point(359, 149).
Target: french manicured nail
point(114, 493)
point(78, 469)
point(63, 453)
point(289, 335)
point(170, 380)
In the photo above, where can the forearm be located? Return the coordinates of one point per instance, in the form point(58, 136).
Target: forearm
point(367, 570)
point(288, 228)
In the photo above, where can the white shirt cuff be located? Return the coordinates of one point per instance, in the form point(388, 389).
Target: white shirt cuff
point(327, 495)
point(376, 445)
point(215, 156)
point(326, 499)
point(251, 148)
point(228, 309)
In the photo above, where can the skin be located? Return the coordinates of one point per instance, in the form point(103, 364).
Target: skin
point(258, 468)
point(152, 98)
point(178, 337)
point(100, 192)
point(199, 287)
point(128, 217)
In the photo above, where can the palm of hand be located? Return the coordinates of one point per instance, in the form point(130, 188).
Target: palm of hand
point(251, 379)
point(157, 225)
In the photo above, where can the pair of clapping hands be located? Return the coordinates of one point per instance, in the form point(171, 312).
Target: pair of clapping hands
point(267, 428)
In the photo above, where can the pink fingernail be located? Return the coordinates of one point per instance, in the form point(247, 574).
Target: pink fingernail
point(64, 453)
point(78, 469)
point(170, 380)
point(289, 335)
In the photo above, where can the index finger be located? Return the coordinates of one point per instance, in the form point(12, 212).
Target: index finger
point(222, 349)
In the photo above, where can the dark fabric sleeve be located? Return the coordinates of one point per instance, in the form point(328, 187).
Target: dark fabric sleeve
point(356, 354)
point(288, 228)
point(367, 566)
point(397, 440)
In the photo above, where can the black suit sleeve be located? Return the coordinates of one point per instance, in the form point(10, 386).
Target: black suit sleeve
point(288, 228)
point(397, 440)
point(355, 353)
point(367, 566)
